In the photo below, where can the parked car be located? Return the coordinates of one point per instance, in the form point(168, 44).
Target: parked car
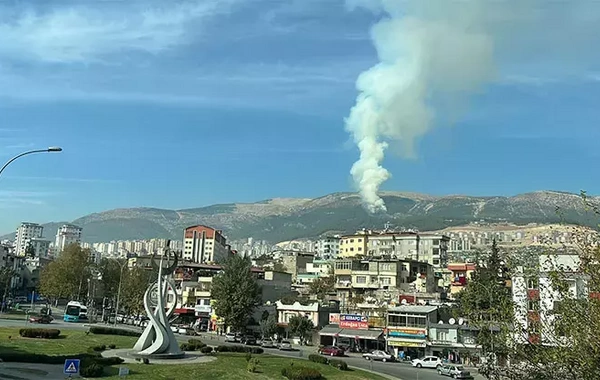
point(267, 343)
point(427, 362)
point(331, 351)
point(379, 355)
point(454, 371)
point(231, 337)
point(248, 340)
point(284, 345)
point(40, 319)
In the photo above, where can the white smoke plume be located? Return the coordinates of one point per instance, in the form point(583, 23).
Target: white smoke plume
point(430, 53)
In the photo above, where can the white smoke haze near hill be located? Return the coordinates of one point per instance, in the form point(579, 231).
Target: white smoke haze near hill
point(430, 52)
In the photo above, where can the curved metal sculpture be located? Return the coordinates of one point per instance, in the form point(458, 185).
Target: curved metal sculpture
point(158, 340)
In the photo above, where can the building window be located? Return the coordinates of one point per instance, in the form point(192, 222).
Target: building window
point(442, 335)
point(360, 248)
point(386, 280)
point(533, 305)
point(361, 279)
point(532, 283)
point(386, 266)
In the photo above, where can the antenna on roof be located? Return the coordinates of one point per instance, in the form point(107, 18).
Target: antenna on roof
point(452, 321)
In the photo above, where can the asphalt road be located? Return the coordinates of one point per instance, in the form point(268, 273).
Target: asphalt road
point(400, 371)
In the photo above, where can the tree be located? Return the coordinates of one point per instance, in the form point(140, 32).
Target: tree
point(322, 286)
point(300, 327)
point(133, 287)
point(235, 292)
point(6, 276)
point(29, 250)
point(268, 326)
point(111, 271)
point(66, 277)
point(486, 302)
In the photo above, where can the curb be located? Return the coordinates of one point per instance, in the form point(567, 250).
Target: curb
point(375, 373)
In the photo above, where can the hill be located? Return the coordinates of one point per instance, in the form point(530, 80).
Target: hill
point(285, 219)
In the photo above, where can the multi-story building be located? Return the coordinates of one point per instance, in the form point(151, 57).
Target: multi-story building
point(426, 247)
point(536, 300)
point(408, 328)
point(41, 247)
point(328, 248)
point(295, 263)
point(316, 312)
point(25, 233)
point(354, 245)
point(460, 275)
point(8, 259)
point(355, 277)
point(67, 234)
point(203, 244)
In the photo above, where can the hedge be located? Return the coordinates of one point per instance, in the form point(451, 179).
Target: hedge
point(206, 350)
point(40, 333)
point(103, 330)
point(301, 373)
point(339, 364)
point(318, 359)
point(98, 348)
point(252, 350)
point(21, 357)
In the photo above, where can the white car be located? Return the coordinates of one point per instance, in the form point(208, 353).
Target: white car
point(230, 337)
point(427, 362)
point(285, 346)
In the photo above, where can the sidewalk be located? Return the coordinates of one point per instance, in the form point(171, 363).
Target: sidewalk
point(28, 371)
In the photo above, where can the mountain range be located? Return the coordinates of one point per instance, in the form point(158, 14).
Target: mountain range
point(282, 219)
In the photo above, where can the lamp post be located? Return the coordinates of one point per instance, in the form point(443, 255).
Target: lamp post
point(123, 266)
point(52, 149)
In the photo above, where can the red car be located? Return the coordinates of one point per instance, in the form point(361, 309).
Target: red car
point(331, 351)
point(40, 319)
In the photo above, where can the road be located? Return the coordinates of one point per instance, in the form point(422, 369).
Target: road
point(400, 371)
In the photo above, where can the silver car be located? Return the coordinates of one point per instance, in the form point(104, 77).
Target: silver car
point(379, 355)
point(285, 346)
point(454, 371)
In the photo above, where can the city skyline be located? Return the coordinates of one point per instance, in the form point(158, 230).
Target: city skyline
point(153, 101)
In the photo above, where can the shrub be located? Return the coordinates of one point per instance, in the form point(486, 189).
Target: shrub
point(40, 333)
point(103, 330)
point(301, 373)
point(248, 356)
point(184, 347)
point(318, 359)
point(91, 369)
point(195, 344)
point(108, 361)
point(206, 350)
point(112, 346)
point(339, 364)
point(256, 350)
point(252, 365)
point(98, 348)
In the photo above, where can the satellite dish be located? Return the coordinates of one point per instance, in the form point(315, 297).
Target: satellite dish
point(452, 321)
point(461, 321)
point(403, 302)
point(440, 322)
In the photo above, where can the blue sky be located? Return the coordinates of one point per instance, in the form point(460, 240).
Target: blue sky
point(180, 104)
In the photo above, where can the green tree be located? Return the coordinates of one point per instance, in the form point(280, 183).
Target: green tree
point(301, 327)
point(322, 287)
point(66, 277)
point(6, 276)
point(268, 326)
point(486, 302)
point(110, 271)
point(133, 287)
point(29, 250)
point(235, 292)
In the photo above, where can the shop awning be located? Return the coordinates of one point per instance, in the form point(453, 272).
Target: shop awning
point(330, 331)
point(361, 334)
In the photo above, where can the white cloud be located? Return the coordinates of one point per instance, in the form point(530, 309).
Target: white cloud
point(90, 34)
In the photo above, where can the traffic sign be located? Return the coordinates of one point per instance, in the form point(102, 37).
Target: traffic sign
point(71, 366)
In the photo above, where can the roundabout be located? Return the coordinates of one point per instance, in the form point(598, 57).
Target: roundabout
point(130, 356)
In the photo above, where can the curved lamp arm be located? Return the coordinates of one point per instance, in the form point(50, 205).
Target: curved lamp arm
point(50, 149)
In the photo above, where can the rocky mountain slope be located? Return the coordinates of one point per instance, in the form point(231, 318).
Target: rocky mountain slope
point(285, 219)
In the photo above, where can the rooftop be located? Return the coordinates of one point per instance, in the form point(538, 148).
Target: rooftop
point(416, 309)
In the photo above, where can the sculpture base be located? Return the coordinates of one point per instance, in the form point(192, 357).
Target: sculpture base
point(178, 355)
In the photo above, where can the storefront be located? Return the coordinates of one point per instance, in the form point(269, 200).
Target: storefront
point(407, 341)
point(354, 340)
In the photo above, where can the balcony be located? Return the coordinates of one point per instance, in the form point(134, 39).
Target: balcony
point(370, 285)
point(343, 285)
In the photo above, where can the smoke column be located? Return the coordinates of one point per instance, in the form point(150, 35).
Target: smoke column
point(431, 53)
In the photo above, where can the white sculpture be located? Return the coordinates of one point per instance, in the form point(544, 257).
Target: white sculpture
point(158, 339)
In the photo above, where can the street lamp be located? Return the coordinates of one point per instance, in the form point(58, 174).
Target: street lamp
point(123, 266)
point(52, 149)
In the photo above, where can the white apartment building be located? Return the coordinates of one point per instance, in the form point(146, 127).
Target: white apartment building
point(25, 233)
point(41, 247)
point(67, 234)
point(536, 299)
point(203, 245)
point(328, 248)
point(424, 247)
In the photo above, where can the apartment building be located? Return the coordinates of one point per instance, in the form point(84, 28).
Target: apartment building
point(25, 233)
point(407, 329)
point(425, 247)
point(328, 247)
point(460, 275)
point(536, 300)
point(67, 234)
point(295, 262)
point(354, 277)
point(203, 245)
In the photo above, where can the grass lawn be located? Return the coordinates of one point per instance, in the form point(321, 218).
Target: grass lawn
point(230, 366)
point(14, 315)
point(71, 342)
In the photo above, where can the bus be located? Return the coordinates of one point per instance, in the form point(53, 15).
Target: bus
point(75, 312)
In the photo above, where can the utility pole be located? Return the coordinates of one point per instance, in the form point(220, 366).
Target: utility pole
point(123, 266)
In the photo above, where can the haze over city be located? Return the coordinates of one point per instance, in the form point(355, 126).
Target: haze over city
point(192, 103)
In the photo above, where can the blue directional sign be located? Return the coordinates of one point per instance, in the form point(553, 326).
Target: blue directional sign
point(71, 367)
